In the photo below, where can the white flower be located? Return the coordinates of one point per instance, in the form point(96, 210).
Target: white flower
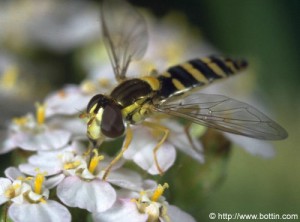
point(122, 211)
point(79, 178)
point(148, 205)
point(10, 191)
point(68, 101)
point(34, 134)
point(71, 124)
point(86, 189)
point(52, 24)
point(95, 195)
point(29, 199)
point(51, 211)
point(184, 139)
point(53, 161)
point(9, 73)
point(141, 149)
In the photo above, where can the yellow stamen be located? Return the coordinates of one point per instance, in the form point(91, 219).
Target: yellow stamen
point(142, 193)
point(134, 200)
point(159, 191)
point(21, 121)
point(24, 178)
point(10, 192)
point(71, 165)
point(62, 94)
point(95, 161)
point(42, 200)
point(88, 152)
point(104, 82)
point(40, 113)
point(9, 78)
point(38, 182)
point(88, 86)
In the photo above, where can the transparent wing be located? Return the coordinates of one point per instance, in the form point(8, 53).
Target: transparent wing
point(125, 34)
point(223, 113)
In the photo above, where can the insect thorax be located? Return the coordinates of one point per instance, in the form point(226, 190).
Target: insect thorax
point(135, 96)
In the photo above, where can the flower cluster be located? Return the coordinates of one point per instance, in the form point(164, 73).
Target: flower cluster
point(75, 173)
point(61, 170)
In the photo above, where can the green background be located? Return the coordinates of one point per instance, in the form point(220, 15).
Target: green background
point(267, 31)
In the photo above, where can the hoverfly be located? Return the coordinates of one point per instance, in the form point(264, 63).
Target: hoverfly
point(133, 100)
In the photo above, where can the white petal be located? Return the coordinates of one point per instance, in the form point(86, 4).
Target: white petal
point(94, 196)
point(177, 215)
point(13, 173)
point(51, 211)
point(3, 199)
point(72, 124)
point(124, 178)
point(4, 185)
point(121, 211)
point(253, 146)
point(31, 169)
point(127, 194)
point(67, 101)
point(141, 152)
point(54, 181)
point(9, 142)
point(46, 158)
point(166, 156)
point(35, 197)
point(181, 141)
point(149, 184)
point(48, 140)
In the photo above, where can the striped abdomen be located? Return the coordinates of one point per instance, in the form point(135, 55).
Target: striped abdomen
point(196, 73)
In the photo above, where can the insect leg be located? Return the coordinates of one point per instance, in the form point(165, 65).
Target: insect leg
point(128, 139)
point(166, 131)
point(189, 137)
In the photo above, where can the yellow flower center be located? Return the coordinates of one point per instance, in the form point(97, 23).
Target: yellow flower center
point(72, 165)
point(9, 78)
point(62, 94)
point(40, 113)
point(20, 121)
point(159, 191)
point(95, 161)
point(149, 204)
point(104, 82)
point(11, 191)
point(38, 182)
point(88, 86)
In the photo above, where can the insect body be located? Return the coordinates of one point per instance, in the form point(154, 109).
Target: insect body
point(174, 92)
point(133, 100)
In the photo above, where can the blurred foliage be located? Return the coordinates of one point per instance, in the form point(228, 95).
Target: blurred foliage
point(266, 32)
point(191, 183)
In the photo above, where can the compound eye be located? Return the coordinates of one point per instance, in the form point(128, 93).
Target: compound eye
point(98, 101)
point(112, 124)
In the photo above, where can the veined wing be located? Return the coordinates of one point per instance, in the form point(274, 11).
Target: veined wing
point(124, 33)
point(223, 113)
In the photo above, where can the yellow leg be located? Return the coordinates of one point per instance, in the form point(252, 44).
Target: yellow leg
point(166, 132)
point(128, 139)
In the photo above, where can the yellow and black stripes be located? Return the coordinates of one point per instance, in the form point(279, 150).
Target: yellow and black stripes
point(131, 90)
point(197, 72)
